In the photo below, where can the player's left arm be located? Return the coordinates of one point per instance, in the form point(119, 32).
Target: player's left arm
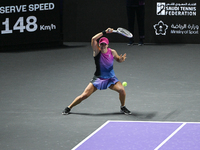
point(118, 58)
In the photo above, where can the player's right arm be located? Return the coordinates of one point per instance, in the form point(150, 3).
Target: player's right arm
point(94, 42)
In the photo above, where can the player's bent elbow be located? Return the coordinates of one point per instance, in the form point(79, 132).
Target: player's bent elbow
point(93, 39)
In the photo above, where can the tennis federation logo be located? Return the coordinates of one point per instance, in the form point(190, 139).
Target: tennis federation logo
point(160, 8)
point(160, 28)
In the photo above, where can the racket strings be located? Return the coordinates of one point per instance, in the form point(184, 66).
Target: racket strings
point(125, 32)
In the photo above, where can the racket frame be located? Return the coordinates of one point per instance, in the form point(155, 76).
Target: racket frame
point(126, 35)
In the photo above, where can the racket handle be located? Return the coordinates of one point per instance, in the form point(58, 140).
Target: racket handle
point(114, 31)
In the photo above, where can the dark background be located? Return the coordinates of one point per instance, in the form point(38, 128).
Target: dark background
point(82, 19)
point(78, 21)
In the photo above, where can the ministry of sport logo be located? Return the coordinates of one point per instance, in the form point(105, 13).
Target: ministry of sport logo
point(177, 28)
point(160, 8)
point(160, 28)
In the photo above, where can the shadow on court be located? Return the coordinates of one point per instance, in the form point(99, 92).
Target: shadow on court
point(172, 113)
point(134, 114)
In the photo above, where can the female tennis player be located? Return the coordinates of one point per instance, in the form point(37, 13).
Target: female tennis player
point(104, 77)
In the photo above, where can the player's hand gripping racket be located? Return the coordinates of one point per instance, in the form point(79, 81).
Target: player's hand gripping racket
point(123, 32)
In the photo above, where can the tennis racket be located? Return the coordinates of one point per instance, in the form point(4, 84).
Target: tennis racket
point(123, 32)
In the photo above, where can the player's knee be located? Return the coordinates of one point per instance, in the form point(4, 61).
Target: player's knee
point(122, 91)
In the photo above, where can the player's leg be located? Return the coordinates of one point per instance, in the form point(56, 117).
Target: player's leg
point(86, 93)
point(140, 21)
point(118, 87)
point(131, 22)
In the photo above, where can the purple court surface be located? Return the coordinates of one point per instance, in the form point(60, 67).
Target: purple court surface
point(131, 135)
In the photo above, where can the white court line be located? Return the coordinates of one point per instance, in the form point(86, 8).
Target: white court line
point(169, 137)
point(90, 135)
point(153, 121)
